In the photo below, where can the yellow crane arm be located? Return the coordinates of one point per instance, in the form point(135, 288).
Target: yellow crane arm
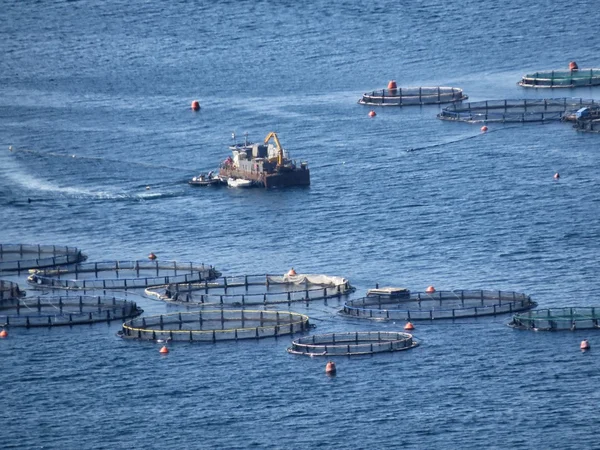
point(273, 135)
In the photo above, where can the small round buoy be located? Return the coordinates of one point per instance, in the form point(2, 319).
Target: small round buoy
point(372, 113)
point(430, 289)
point(3, 334)
point(195, 105)
point(409, 326)
point(330, 368)
point(585, 345)
point(556, 176)
point(164, 349)
point(292, 272)
point(484, 129)
point(152, 256)
point(573, 66)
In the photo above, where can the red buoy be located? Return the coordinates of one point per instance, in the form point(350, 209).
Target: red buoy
point(372, 113)
point(392, 88)
point(573, 66)
point(195, 105)
point(585, 345)
point(330, 368)
point(409, 326)
point(164, 350)
point(152, 256)
point(430, 289)
point(3, 334)
point(484, 129)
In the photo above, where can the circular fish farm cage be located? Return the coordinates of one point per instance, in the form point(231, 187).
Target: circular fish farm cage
point(48, 311)
point(9, 290)
point(411, 96)
point(249, 290)
point(455, 304)
point(557, 319)
point(18, 257)
point(121, 275)
point(561, 79)
point(215, 325)
point(589, 125)
point(511, 111)
point(354, 343)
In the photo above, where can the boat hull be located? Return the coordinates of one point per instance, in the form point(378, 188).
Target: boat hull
point(298, 177)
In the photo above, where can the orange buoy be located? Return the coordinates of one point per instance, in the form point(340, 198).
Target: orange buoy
point(330, 368)
point(556, 176)
point(372, 113)
point(409, 326)
point(292, 272)
point(585, 345)
point(152, 256)
point(573, 66)
point(164, 349)
point(3, 334)
point(195, 105)
point(392, 88)
point(484, 129)
point(430, 289)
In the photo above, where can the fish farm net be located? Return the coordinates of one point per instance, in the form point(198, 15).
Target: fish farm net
point(557, 319)
point(45, 311)
point(562, 79)
point(17, 257)
point(352, 343)
point(439, 305)
point(410, 96)
point(215, 325)
point(589, 126)
point(125, 275)
point(509, 111)
point(9, 290)
point(249, 290)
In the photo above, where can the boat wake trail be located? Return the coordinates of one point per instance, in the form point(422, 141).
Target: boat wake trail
point(441, 144)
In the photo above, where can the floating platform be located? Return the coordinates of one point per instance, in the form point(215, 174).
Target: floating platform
point(122, 275)
point(354, 343)
point(413, 96)
point(561, 79)
point(215, 325)
point(588, 120)
point(510, 111)
point(439, 305)
point(251, 290)
point(19, 257)
point(557, 319)
point(48, 311)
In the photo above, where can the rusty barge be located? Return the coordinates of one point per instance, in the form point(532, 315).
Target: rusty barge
point(264, 164)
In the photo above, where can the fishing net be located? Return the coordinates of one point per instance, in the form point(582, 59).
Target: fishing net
point(17, 257)
point(9, 290)
point(46, 311)
point(439, 305)
point(248, 290)
point(354, 343)
point(556, 319)
point(506, 111)
point(121, 275)
point(562, 79)
point(409, 96)
point(215, 325)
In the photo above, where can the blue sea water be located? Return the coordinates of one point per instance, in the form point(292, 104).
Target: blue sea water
point(95, 101)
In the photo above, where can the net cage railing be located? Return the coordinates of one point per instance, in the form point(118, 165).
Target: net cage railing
point(18, 257)
point(439, 305)
point(510, 111)
point(413, 96)
point(127, 275)
point(558, 319)
point(249, 290)
point(44, 311)
point(352, 343)
point(561, 79)
point(215, 325)
point(10, 290)
point(590, 126)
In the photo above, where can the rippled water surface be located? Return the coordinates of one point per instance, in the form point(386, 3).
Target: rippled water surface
point(95, 101)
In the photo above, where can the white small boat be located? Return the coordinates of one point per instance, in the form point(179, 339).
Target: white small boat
point(239, 182)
